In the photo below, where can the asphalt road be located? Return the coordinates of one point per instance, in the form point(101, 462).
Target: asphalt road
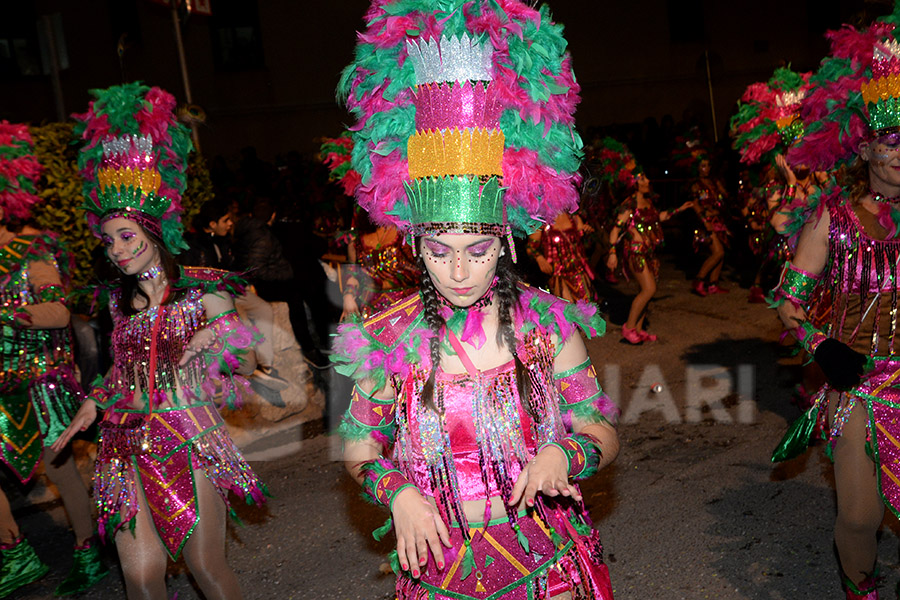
point(691, 509)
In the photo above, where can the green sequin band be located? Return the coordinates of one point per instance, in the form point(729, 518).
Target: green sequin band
point(50, 293)
point(809, 337)
point(884, 116)
point(454, 202)
point(582, 452)
point(797, 285)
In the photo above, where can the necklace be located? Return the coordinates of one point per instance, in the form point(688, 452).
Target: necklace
point(151, 273)
point(477, 305)
point(876, 197)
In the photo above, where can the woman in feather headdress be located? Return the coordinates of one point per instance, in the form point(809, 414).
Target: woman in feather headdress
point(476, 406)
point(165, 462)
point(848, 254)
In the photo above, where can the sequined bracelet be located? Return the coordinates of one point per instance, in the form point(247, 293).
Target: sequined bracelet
point(789, 192)
point(382, 481)
point(809, 337)
point(14, 317)
point(582, 452)
point(797, 285)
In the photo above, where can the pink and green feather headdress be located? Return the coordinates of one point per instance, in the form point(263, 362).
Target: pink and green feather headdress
point(336, 155)
point(464, 117)
point(768, 121)
point(854, 96)
point(19, 171)
point(134, 160)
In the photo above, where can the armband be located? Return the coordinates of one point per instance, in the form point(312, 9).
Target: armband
point(796, 285)
point(582, 452)
point(50, 293)
point(382, 481)
point(368, 416)
point(790, 191)
point(233, 339)
point(582, 397)
point(809, 337)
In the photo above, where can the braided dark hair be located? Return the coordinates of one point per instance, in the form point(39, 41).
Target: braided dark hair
point(507, 294)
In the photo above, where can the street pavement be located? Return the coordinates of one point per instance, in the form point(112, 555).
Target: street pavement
point(691, 509)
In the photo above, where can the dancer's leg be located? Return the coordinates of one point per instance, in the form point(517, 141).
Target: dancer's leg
point(143, 557)
point(204, 551)
point(859, 508)
point(647, 283)
point(63, 472)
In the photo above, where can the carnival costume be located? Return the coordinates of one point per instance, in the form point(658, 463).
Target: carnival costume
point(855, 99)
point(465, 126)
point(768, 123)
point(710, 203)
point(160, 422)
point(39, 392)
point(639, 251)
point(564, 251)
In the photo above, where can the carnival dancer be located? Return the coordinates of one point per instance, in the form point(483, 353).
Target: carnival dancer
point(765, 125)
point(558, 250)
point(709, 195)
point(39, 393)
point(475, 405)
point(165, 462)
point(639, 227)
point(849, 252)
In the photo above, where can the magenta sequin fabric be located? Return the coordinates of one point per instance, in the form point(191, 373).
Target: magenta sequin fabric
point(157, 458)
point(554, 563)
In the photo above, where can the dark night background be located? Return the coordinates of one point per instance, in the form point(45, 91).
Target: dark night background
point(265, 71)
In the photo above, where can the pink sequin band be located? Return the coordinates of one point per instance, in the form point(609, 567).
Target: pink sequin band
point(457, 105)
point(368, 414)
point(796, 285)
point(150, 224)
point(579, 384)
point(809, 337)
point(582, 452)
point(382, 481)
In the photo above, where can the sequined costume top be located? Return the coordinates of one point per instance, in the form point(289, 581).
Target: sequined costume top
point(386, 273)
point(174, 325)
point(860, 278)
point(564, 250)
point(38, 390)
point(641, 235)
point(710, 202)
point(476, 444)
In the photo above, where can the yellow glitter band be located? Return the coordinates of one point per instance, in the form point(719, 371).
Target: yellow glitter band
point(881, 89)
point(147, 181)
point(455, 152)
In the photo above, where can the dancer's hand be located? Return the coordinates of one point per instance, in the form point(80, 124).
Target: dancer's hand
point(546, 473)
point(785, 169)
point(201, 341)
point(612, 261)
point(350, 306)
point(83, 419)
point(419, 529)
point(544, 265)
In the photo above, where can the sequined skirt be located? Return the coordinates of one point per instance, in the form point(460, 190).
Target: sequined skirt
point(498, 566)
point(158, 457)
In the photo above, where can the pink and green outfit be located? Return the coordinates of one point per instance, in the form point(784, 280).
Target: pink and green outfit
point(476, 444)
point(153, 445)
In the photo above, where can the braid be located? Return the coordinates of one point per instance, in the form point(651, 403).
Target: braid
point(431, 306)
point(507, 292)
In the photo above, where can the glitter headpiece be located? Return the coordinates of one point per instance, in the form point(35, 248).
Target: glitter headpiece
point(464, 117)
point(134, 160)
point(768, 121)
point(19, 171)
point(853, 95)
point(882, 94)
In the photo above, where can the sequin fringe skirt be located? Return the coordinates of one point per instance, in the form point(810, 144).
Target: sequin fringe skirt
point(504, 569)
point(158, 456)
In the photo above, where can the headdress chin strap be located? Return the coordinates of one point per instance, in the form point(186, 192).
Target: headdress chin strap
point(150, 224)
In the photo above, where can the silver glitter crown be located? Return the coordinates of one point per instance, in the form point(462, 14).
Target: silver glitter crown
point(131, 146)
point(450, 59)
point(886, 50)
point(790, 98)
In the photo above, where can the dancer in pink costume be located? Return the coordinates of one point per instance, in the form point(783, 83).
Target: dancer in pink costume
point(847, 259)
point(476, 406)
point(558, 249)
point(639, 227)
point(166, 462)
